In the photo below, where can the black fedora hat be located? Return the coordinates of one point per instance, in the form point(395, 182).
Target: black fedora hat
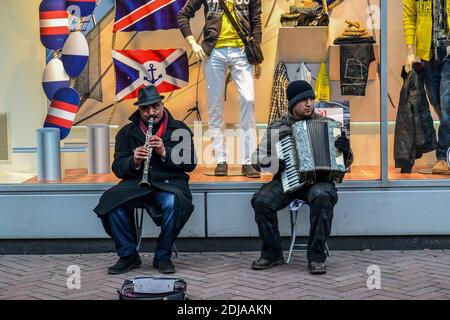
point(148, 95)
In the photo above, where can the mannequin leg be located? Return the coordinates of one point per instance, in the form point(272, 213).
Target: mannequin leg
point(444, 127)
point(437, 84)
point(242, 73)
point(215, 74)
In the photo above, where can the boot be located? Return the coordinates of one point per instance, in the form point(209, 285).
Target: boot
point(125, 264)
point(315, 267)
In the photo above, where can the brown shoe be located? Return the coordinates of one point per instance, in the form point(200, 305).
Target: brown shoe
point(221, 169)
point(249, 171)
point(441, 167)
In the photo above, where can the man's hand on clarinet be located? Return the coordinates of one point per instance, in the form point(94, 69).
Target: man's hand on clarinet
point(139, 155)
point(157, 144)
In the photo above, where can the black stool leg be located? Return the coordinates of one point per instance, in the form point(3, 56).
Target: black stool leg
point(139, 222)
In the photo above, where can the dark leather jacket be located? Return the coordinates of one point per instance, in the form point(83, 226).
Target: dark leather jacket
point(248, 13)
point(414, 130)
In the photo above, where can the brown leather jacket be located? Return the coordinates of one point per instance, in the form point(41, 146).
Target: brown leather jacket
point(248, 13)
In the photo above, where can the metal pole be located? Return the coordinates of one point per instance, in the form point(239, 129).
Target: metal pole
point(384, 94)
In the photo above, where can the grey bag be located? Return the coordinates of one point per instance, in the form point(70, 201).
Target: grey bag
point(153, 288)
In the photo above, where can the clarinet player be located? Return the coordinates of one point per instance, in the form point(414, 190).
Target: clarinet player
point(164, 191)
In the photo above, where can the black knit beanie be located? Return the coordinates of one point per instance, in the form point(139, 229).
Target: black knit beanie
point(299, 90)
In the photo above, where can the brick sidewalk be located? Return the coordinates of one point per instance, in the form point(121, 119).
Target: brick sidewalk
point(404, 275)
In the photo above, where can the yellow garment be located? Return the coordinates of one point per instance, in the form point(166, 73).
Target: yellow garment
point(228, 36)
point(322, 86)
point(418, 25)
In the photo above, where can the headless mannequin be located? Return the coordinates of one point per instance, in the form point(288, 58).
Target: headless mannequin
point(436, 72)
point(223, 53)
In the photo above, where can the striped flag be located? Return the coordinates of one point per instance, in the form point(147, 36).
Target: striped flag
point(53, 23)
point(147, 15)
point(62, 111)
point(166, 69)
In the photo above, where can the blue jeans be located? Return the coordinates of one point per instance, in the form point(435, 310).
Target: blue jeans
point(118, 225)
point(437, 85)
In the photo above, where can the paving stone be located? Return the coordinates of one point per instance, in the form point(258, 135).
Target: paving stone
point(228, 276)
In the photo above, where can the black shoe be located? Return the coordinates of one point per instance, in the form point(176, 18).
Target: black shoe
point(249, 171)
point(125, 264)
point(221, 169)
point(315, 267)
point(262, 264)
point(164, 266)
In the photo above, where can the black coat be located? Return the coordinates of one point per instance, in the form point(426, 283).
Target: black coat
point(414, 129)
point(166, 176)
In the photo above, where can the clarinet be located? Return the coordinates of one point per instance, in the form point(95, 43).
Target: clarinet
point(144, 182)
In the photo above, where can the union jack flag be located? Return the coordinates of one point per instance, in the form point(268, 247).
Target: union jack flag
point(167, 69)
point(147, 15)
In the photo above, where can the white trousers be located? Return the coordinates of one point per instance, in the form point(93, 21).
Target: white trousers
point(241, 71)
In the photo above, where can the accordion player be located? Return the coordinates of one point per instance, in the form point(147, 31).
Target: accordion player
point(310, 154)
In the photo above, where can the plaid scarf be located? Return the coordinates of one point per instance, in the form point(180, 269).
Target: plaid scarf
point(279, 101)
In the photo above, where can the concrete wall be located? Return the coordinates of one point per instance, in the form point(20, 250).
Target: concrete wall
point(359, 212)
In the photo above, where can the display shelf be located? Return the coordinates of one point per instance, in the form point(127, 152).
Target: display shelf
point(302, 44)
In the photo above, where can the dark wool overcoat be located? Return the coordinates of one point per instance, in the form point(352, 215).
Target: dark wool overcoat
point(169, 175)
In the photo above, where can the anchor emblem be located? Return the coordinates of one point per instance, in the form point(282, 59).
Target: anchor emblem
point(152, 70)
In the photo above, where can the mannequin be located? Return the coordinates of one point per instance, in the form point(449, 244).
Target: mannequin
point(428, 45)
point(223, 50)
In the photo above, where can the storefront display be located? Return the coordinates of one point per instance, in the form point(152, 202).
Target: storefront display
point(120, 73)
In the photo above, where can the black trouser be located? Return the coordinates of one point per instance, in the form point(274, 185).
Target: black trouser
point(321, 198)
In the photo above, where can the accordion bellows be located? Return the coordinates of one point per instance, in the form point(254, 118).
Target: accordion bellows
point(310, 154)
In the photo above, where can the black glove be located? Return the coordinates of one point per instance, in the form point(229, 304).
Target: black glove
point(343, 144)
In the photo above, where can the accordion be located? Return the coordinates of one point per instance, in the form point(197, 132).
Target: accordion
point(309, 153)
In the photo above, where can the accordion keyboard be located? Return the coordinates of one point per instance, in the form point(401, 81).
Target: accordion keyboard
point(290, 178)
point(310, 155)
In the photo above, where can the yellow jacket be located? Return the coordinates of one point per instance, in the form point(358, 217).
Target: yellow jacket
point(418, 25)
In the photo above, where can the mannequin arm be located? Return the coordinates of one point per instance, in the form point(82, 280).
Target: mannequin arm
point(196, 48)
point(410, 58)
point(257, 71)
